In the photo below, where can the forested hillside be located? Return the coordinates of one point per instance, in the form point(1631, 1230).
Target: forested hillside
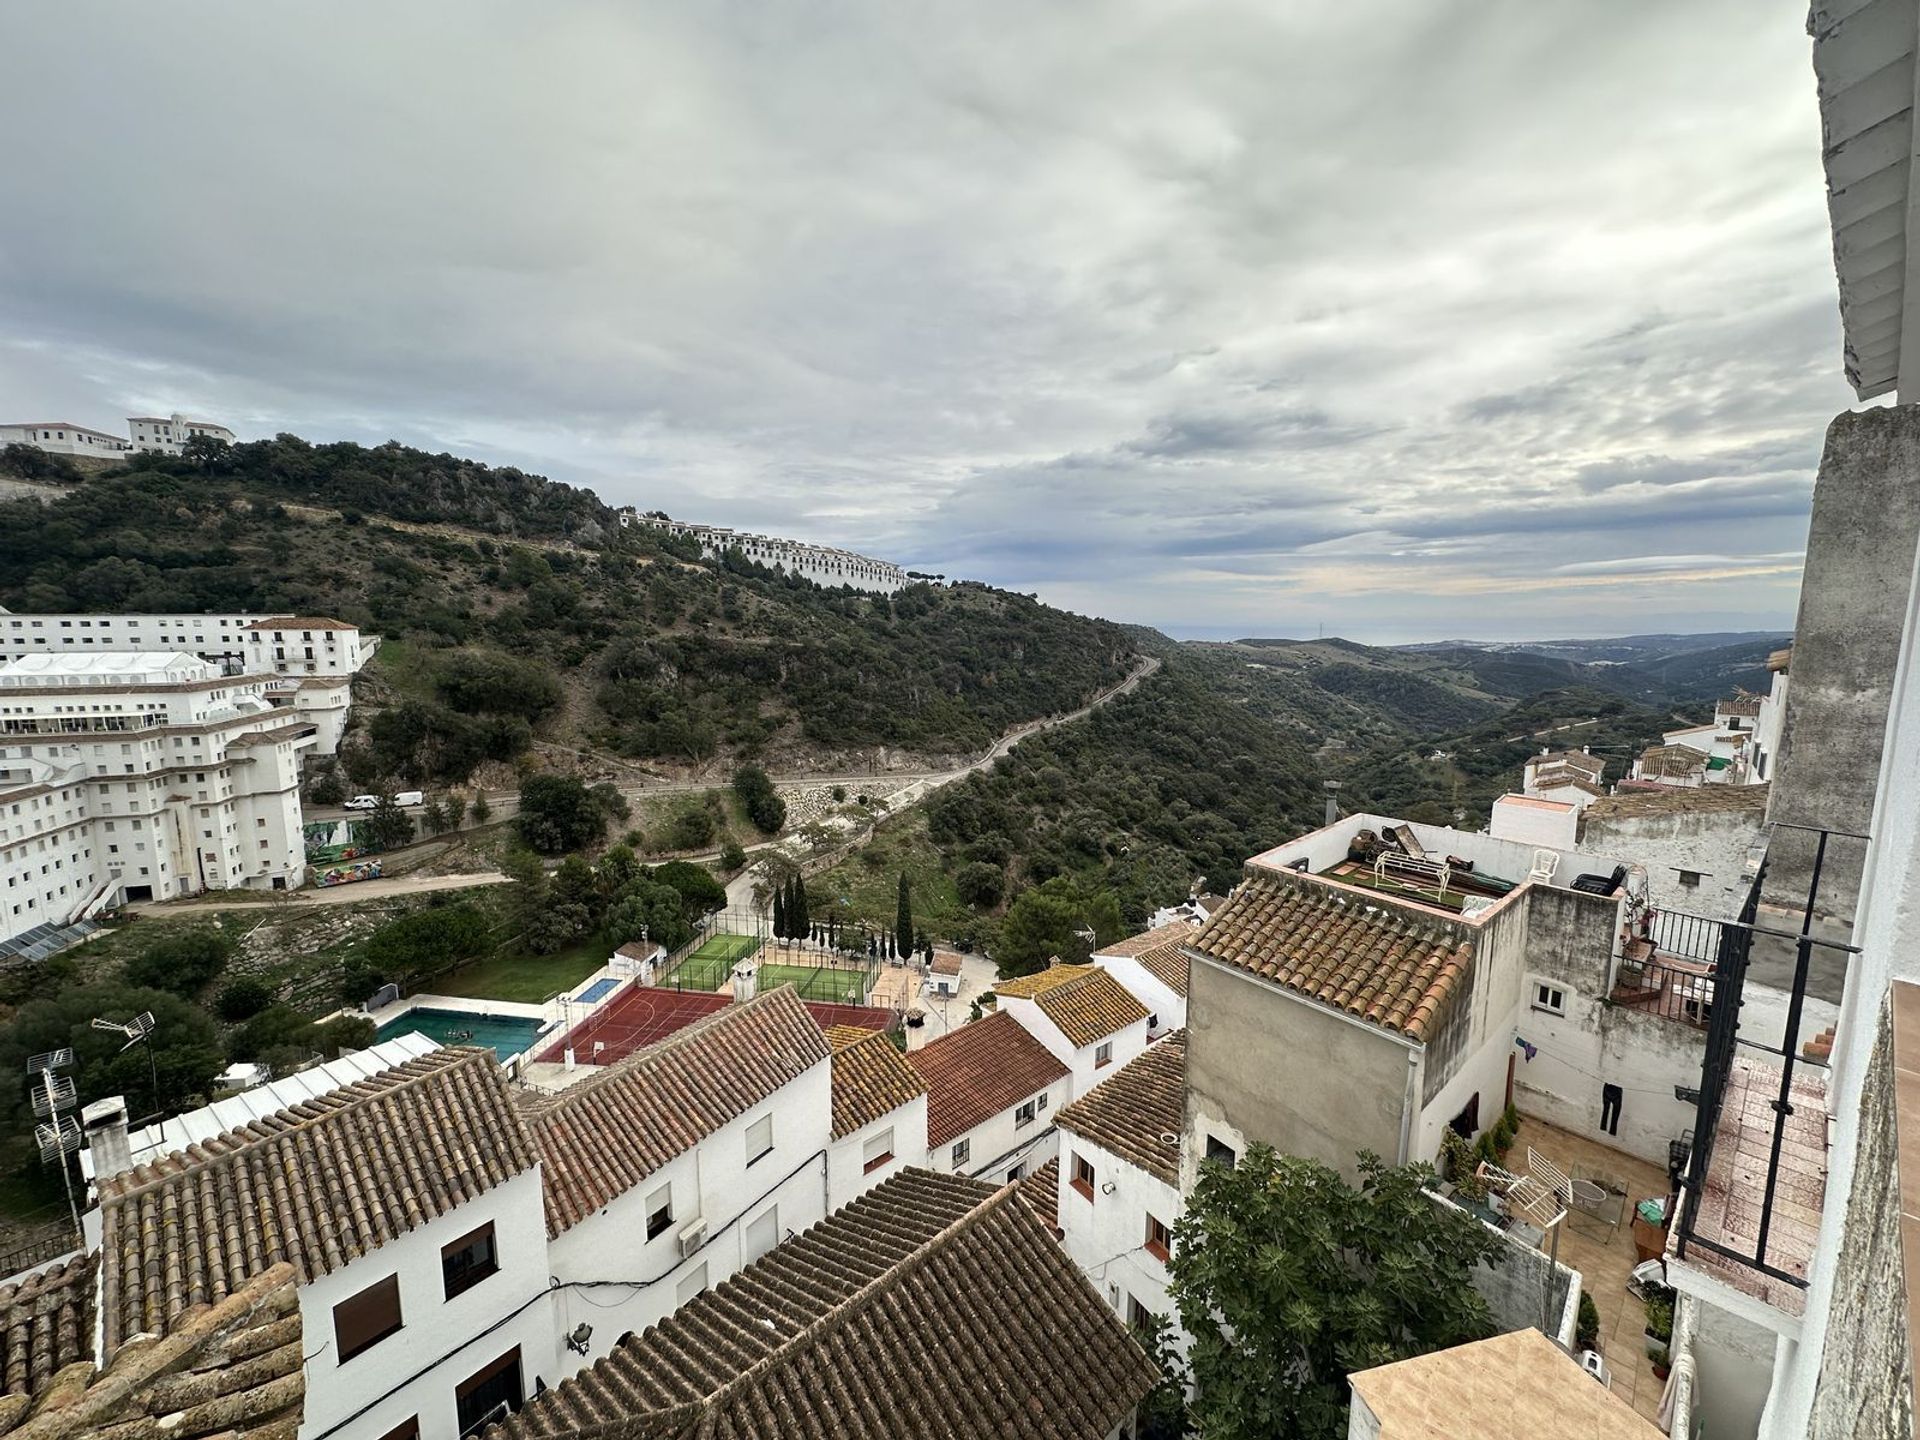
point(515, 607)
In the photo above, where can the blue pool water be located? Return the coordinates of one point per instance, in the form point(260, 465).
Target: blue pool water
point(507, 1034)
point(599, 990)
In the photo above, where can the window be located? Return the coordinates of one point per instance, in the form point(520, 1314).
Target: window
point(1138, 1315)
point(1158, 1240)
point(469, 1260)
point(1690, 879)
point(691, 1284)
point(489, 1392)
point(1040, 1100)
point(1017, 1174)
point(762, 1235)
point(1023, 1116)
point(760, 1139)
point(364, 1320)
point(1222, 1153)
point(1103, 1055)
point(1082, 1176)
point(876, 1152)
point(659, 1211)
point(1550, 998)
point(1153, 1023)
point(962, 1152)
point(407, 1429)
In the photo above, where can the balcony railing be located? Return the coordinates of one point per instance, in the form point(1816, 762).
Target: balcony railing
point(1730, 946)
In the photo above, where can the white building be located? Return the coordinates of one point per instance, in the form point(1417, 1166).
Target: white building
point(992, 1093)
point(822, 564)
point(1536, 820)
point(314, 657)
point(1772, 719)
point(166, 434)
point(1153, 968)
point(129, 775)
point(879, 1113)
point(1118, 1194)
point(1085, 1018)
point(62, 437)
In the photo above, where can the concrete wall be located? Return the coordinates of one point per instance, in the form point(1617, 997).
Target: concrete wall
point(847, 1175)
point(1714, 844)
point(1847, 638)
point(413, 1372)
point(1266, 1065)
point(1866, 1385)
point(1733, 1369)
point(1530, 820)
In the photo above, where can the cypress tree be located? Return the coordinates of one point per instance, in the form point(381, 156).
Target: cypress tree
point(797, 904)
point(903, 917)
point(780, 912)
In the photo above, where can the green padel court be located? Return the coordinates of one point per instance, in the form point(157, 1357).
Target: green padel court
point(711, 965)
point(835, 987)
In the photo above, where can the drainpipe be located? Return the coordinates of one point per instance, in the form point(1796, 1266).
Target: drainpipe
point(1406, 1107)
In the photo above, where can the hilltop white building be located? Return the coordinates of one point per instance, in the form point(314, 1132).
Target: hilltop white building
point(164, 434)
point(821, 564)
point(137, 775)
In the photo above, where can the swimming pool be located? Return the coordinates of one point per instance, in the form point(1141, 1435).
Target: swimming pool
point(599, 990)
point(507, 1034)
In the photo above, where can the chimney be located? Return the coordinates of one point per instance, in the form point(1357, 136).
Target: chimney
point(745, 976)
point(105, 1124)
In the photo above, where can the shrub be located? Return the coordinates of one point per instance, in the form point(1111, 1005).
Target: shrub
point(732, 856)
point(765, 808)
point(181, 963)
point(1486, 1149)
point(1586, 1333)
point(243, 998)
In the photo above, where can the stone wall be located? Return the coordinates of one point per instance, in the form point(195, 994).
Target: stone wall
point(1866, 1375)
point(1859, 567)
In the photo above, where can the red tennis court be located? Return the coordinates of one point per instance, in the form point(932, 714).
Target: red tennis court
point(642, 1015)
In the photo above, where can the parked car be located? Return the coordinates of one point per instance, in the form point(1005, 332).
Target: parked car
point(362, 802)
point(410, 797)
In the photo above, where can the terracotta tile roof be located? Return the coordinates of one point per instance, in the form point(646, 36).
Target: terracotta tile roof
point(1573, 759)
point(1562, 780)
point(1738, 705)
point(1089, 1009)
point(932, 1308)
point(977, 1071)
point(1032, 987)
point(1144, 1101)
point(1172, 931)
point(870, 1078)
point(317, 1185)
point(1674, 800)
point(232, 1369)
point(1168, 964)
point(599, 1138)
point(46, 1323)
point(1375, 961)
point(946, 962)
point(301, 622)
point(1040, 1193)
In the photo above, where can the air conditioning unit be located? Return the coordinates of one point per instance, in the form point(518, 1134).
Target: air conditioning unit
point(692, 1237)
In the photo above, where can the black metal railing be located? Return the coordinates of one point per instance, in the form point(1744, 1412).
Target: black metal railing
point(1732, 944)
point(1683, 992)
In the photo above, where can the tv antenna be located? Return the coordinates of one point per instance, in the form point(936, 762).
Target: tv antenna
point(136, 1030)
point(58, 1133)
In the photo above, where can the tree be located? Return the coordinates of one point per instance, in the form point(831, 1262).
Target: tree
point(903, 918)
point(182, 1051)
point(1288, 1279)
point(648, 909)
point(780, 924)
point(701, 892)
point(482, 811)
point(979, 884)
point(765, 808)
point(1051, 919)
point(733, 857)
point(243, 998)
point(1163, 1414)
point(455, 810)
point(427, 942)
point(559, 814)
point(182, 963)
point(387, 826)
point(432, 818)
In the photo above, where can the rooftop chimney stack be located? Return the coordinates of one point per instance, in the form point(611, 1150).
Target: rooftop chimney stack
point(105, 1124)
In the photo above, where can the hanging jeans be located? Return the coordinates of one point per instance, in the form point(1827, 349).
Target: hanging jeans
point(1610, 1098)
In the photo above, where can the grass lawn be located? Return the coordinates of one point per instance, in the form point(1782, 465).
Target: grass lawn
point(528, 979)
point(869, 880)
point(834, 986)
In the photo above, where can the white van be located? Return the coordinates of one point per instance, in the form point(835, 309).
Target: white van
point(362, 802)
point(410, 797)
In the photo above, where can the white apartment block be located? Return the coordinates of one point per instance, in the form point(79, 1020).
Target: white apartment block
point(138, 776)
point(165, 434)
point(821, 564)
point(310, 659)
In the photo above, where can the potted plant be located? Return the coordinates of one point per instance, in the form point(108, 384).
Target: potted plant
point(1586, 1330)
point(1659, 1334)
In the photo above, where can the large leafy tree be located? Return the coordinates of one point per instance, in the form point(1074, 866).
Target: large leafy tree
point(559, 814)
point(1053, 919)
point(1289, 1279)
point(765, 808)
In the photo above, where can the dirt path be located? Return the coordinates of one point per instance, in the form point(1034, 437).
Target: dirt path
point(310, 898)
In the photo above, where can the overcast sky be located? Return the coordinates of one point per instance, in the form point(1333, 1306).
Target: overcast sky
point(1406, 321)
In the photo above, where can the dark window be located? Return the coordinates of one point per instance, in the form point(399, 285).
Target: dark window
point(483, 1394)
point(1222, 1153)
point(1137, 1314)
point(1690, 878)
point(1082, 1176)
point(407, 1429)
point(1467, 1123)
point(1157, 1240)
point(1023, 1116)
point(469, 1260)
point(367, 1318)
point(659, 1211)
point(1103, 1055)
